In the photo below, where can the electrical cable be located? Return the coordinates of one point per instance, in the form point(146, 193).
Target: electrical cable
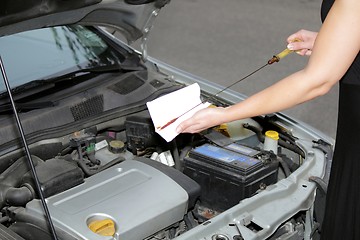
point(31, 164)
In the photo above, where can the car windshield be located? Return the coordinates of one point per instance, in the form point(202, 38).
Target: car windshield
point(48, 52)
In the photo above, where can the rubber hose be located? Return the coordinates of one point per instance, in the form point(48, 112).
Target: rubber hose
point(281, 142)
point(284, 166)
point(184, 152)
point(19, 196)
point(256, 130)
point(11, 177)
point(175, 153)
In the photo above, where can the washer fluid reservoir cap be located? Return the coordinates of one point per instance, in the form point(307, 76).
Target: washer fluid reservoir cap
point(272, 134)
point(271, 141)
point(105, 227)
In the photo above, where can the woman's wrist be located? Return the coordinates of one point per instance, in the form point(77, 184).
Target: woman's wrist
point(226, 114)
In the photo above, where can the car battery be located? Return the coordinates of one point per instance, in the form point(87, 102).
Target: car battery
point(229, 174)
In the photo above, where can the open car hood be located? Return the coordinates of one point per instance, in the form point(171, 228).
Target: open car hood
point(131, 17)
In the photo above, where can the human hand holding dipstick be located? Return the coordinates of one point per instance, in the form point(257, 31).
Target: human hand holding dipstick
point(167, 112)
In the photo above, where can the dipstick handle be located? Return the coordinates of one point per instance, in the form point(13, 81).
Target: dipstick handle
point(276, 58)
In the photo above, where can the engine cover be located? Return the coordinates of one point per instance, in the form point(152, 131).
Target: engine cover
point(140, 199)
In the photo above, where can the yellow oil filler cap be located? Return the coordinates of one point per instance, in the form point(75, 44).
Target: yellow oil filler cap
point(104, 227)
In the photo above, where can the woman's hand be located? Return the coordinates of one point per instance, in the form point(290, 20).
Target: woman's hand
point(202, 120)
point(305, 45)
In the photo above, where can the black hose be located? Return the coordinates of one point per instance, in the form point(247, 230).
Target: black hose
point(284, 166)
point(175, 154)
point(19, 196)
point(11, 177)
point(292, 147)
point(190, 221)
point(326, 148)
point(256, 130)
point(281, 142)
point(184, 152)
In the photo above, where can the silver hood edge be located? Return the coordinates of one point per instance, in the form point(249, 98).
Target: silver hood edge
point(129, 17)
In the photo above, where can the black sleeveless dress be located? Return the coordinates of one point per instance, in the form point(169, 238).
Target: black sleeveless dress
point(342, 214)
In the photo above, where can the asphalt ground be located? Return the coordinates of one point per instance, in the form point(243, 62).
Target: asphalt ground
point(223, 41)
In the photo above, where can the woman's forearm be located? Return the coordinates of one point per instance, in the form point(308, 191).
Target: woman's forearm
point(292, 90)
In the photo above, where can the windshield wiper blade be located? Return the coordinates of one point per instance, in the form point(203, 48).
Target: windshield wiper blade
point(96, 69)
point(40, 85)
point(7, 107)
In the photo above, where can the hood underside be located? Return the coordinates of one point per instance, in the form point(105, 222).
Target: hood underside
point(129, 16)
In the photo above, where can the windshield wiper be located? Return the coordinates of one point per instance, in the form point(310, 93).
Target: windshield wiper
point(40, 85)
point(96, 69)
point(7, 107)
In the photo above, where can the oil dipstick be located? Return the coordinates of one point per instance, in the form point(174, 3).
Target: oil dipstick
point(275, 58)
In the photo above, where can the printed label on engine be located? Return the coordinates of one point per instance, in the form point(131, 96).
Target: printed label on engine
point(217, 153)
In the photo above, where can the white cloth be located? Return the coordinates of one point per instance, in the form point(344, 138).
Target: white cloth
point(181, 104)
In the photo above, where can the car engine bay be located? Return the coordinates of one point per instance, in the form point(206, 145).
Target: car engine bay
point(118, 179)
